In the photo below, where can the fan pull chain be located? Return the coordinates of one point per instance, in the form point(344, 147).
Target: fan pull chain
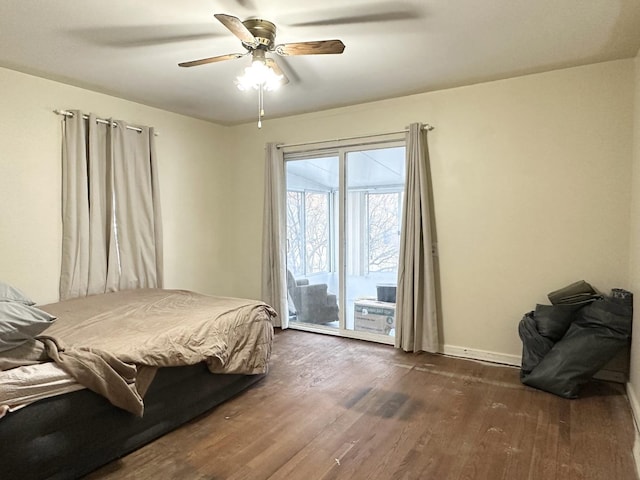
point(260, 104)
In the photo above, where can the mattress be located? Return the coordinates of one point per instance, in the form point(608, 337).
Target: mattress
point(67, 436)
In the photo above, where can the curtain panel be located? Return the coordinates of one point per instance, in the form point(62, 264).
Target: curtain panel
point(274, 272)
point(416, 312)
point(111, 216)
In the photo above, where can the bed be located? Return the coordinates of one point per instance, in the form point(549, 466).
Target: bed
point(113, 372)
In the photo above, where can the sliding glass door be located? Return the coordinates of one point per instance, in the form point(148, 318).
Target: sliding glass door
point(343, 236)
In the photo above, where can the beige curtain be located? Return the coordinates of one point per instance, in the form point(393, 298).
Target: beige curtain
point(416, 317)
point(274, 254)
point(112, 230)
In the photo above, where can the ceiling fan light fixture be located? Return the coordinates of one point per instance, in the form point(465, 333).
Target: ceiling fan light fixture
point(261, 77)
point(258, 75)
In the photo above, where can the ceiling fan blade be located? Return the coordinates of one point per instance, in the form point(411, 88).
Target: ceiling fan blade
point(204, 61)
point(131, 36)
point(235, 26)
point(377, 11)
point(248, 4)
point(370, 18)
point(270, 62)
point(310, 48)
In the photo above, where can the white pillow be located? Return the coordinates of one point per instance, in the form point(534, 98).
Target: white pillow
point(20, 323)
point(12, 294)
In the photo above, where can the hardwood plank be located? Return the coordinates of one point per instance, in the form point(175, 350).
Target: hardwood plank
point(334, 409)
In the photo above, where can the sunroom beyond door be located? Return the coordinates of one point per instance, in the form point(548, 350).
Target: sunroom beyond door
point(342, 274)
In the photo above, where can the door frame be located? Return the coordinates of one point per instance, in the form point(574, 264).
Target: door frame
point(340, 149)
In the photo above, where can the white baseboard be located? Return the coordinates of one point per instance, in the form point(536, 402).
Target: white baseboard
point(516, 361)
point(636, 453)
point(611, 376)
point(635, 411)
point(635, 406)
point(484, 355)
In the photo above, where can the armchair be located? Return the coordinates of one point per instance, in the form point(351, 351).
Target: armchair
point(312, 303)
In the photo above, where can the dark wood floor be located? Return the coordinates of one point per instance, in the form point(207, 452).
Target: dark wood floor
point(334, 408)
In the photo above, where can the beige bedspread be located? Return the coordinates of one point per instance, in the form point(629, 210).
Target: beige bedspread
point(112, 343)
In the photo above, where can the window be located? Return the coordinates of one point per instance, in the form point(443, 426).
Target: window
point(317, 232)
point(383, 218)
point(308, 232)
point(295, 228)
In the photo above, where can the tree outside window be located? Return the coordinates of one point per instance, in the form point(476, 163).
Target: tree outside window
point(308, 232)
point(295, 239)
point(383, 216)
point(317, 232)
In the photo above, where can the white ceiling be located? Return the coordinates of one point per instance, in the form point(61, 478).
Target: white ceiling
point(131, 48)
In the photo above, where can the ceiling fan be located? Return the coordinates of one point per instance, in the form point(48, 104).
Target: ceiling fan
point(258, 38)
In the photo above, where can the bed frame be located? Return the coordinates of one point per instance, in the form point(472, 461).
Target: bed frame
point(70, 435)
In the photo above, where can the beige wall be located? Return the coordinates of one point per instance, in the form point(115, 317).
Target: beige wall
point(194, 177)
point(531, 185)
point(530, 177)
point(634, 270)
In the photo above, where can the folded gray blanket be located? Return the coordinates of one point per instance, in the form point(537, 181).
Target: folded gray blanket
point(577, 292)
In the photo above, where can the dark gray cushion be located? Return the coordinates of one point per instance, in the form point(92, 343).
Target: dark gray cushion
point(553, 321)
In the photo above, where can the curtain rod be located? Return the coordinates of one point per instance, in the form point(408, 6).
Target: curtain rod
point(66, 113)
point(426, 127)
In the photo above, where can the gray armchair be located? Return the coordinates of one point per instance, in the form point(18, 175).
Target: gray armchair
point(311, 303)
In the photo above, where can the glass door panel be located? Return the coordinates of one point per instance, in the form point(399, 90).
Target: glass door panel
point(311, 225)
point(374, 188)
